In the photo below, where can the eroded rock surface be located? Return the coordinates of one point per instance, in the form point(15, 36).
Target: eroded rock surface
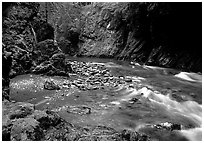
point(26, 124)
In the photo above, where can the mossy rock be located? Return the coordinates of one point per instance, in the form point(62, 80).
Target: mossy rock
point(26, 129)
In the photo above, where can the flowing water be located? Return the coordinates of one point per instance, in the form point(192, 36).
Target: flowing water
point(155, 95)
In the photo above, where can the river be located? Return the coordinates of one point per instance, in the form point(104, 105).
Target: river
point(145, 96)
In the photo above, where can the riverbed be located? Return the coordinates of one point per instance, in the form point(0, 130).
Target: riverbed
point(127, 96)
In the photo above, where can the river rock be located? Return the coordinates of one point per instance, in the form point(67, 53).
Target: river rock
point(26, 129)
point(21, 110)
point(168, 126)
point(128, 80)
point(50, 85)
point(81, 110)
point(21, 122)
point(49, 60)
point(69, 132)
point(64, 132)
point(46, 118)
point(55, 66)
point(133, 100)
point(127, 135)
point(104, 133)
point(99, 133)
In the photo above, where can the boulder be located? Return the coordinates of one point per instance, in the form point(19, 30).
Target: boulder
point(21, 110)
point(54, 66)
point(127, 135)
point(50, 85)
point(11, 111)
point(26, 129)
point(20, 60)
point(167, 126)
point(63, 132)
point(46, 118)
point(21, 122)
point(81, 110)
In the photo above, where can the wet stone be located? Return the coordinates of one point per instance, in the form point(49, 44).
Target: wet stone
point(81, 110)
point(133, 100)
point(128, 80)
point(50, 85)
point(167, 126)
point(128, 135)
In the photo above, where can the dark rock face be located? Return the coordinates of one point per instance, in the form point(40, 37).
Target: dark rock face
point(44, 31)
point(68, 41)
point(44, 50)
point(6, 68)
point(155, 34)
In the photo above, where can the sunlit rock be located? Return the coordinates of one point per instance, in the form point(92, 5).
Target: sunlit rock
point(167, 126)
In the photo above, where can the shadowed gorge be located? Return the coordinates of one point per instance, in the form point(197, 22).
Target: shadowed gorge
point(98, 71)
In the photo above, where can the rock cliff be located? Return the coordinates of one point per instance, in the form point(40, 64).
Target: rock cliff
point(159, 34)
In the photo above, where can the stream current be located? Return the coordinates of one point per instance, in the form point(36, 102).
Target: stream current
point(150, 96)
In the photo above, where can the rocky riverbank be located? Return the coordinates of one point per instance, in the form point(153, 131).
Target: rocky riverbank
point(21, 122)
point(46, 96)
point(87, 78)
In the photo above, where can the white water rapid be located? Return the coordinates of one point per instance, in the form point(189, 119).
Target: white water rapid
point(188, 110)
